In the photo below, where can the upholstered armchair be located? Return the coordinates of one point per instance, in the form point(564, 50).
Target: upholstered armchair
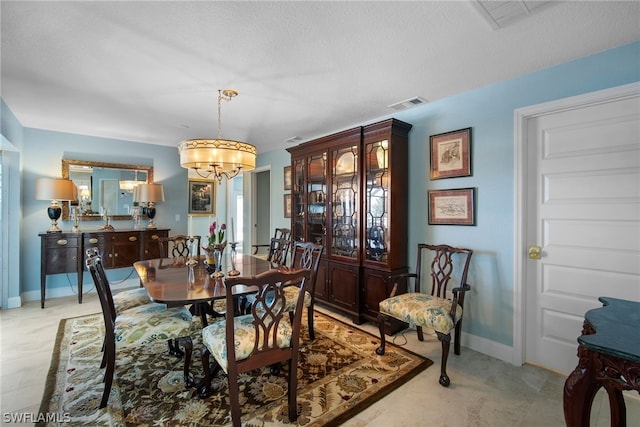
point(435, 308)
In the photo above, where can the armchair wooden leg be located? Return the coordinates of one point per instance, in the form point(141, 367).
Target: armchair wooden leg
point(445, 339)
point(381, 320)
point(456, 343)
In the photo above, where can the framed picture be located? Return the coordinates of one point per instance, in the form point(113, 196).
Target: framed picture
point(287, 205)
point(202, 197)
point(450, 154)
point(452, 207)
point(287, 178)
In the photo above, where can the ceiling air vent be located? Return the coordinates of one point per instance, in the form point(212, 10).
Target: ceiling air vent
point(293, 140)
point(408, 103)
point(499, 14)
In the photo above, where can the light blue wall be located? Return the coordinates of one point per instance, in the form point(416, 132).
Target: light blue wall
point(41, 157)
point(277, 159)
point(489, 111)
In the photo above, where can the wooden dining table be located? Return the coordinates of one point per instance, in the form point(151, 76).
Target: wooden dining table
point(177, 283)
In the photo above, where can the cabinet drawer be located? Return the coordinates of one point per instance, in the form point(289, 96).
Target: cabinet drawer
point(94, 240)
point(61, 242)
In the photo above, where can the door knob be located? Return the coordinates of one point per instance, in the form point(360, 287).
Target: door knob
point(535, 252)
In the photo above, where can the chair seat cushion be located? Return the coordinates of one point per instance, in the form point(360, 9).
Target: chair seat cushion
point(424, 310)
point(136, 327)
point(131, 298)
point(214, 337)
point(291, 294)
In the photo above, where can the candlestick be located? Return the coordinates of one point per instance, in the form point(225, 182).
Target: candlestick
point(233, 234)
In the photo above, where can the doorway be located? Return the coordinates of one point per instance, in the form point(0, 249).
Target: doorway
point(578, 203)
point(259, 218)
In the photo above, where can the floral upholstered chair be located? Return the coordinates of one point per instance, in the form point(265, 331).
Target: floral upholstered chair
point(305, 255)
point(242, 343)
point(435, 309)
point(136, 326)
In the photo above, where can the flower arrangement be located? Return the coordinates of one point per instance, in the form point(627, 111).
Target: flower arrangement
point(216, 235)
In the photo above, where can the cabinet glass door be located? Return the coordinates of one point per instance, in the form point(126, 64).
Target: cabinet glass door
point(297, 203)
point(377, 201)
point(316, 195)
point(345, 202)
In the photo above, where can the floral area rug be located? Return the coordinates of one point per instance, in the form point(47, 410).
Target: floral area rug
point(339, 374)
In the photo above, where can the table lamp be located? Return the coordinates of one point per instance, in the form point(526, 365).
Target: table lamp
point(55, 189)
point(148, 194)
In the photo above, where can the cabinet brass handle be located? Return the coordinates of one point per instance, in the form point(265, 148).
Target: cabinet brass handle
point(110, 255)
point(62, 242)
point(93, 240)
point(132, 238)
point(155, 237)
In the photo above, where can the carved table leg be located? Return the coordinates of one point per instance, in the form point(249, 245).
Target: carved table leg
point(579, 390)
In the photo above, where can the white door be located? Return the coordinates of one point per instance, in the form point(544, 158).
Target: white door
point(583, 210)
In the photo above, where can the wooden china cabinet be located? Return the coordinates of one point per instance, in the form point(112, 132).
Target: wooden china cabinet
point(350, 194)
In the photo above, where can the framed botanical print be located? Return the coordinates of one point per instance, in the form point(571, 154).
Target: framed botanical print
point(452, 207)
point(287, 178)
point(287, 205)
point(202, 197)
point(450, 154)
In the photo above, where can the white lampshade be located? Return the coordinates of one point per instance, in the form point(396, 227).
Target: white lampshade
point(55, 189)
point(148, 193)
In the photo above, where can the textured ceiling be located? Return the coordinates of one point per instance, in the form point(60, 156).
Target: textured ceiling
point(150, 71)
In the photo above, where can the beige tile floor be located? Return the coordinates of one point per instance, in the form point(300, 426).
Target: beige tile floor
point(484, 391)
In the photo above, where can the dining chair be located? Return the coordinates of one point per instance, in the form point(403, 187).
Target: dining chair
point(244, 342)
point(278, 251)
point(305, 255)
point(180, 248)
point(137, 326)
point(438, 309)
point(279, 233)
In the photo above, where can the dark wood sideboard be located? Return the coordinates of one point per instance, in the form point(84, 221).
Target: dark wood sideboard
point(64, 252)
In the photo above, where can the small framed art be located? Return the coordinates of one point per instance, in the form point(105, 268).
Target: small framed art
point(450, 154)
point(452, 207)
point(287, 205)
point(287, 178)
point(202, 196)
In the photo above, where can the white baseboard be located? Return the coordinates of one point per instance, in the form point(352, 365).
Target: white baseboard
point(490, 348)
point(66, 291)
point(14, 302)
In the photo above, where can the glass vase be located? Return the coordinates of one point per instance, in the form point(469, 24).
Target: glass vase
point(218, 250)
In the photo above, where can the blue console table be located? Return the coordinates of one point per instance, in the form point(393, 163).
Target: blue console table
point(609, 357)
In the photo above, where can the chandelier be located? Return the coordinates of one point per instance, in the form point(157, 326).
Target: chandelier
point(217, 157)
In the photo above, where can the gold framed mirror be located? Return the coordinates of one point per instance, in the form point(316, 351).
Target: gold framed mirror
point(103, 186)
